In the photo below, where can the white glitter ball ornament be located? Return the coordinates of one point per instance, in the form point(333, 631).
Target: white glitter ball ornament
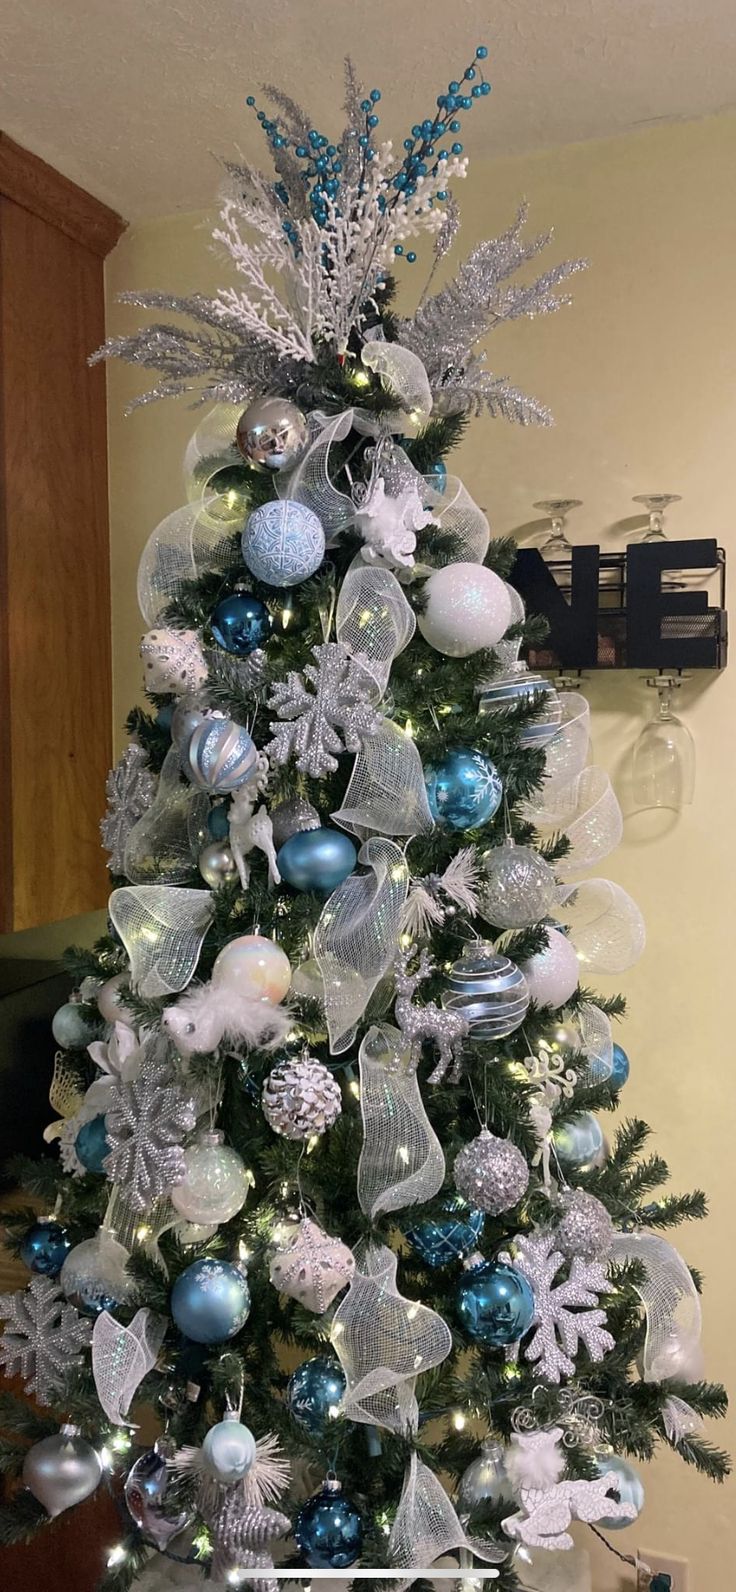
point(491, 1173)
point(585, 1227)
point(467, 608)
point(552, 975)
point(311, 1267)
point(283, 542)
point(173, 660)
point(253, 965)
point(215, 1185)
point(301, 1098)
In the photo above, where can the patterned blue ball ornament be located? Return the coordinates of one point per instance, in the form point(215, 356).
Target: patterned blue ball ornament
point(495, 1303)
point(92, 1145)
point(74, 1025)
point(580, 1144)
point(241, 623)
point(210, 1301)
point(317, 859)
point(44, 1247)
point(220, 755)
point(629, 1488)
point(283, 542)
point(464, 790)
point(329, 1529)
point(441, 1241)
point(315, 1388)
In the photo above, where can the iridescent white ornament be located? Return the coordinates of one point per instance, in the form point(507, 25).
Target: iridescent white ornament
point(254, 966)
point(553, 974)
point(216, 1182)
point(173, 661)
point(467, 608)
point(518, 886)
point(228, 1451)
point(111, 1001)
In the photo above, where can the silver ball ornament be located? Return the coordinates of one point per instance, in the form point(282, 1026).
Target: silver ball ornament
point(150, 1496)
point(518, 886)
point(489, 990)
point(272, 433)
point(491, 1173)
point(187, 715)
point(216, 864)
point(485, 1480)
point(62, 1470)
point(585, 1228)
point(301, 1098)
point(228, 1451)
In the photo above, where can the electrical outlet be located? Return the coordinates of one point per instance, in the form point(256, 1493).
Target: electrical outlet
point(663, 1564)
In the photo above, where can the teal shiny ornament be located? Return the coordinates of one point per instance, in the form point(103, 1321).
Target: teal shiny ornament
point(314, 1390)
point(439, 469)
point(580, 1143)
point(241, 623)
point(329, 1529)
point(629, 1489)
point(45, 1246)
point(441, 1241)
point(92, 1145)
point(464, 790)
point(210, 1301)
point(317, 859)
point(495, 1304)
point(75, 1025)
point(283, 542)
point(220, 755)
point(621, 1067)
point(218, 822)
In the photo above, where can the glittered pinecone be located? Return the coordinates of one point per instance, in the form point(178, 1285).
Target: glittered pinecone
point(301, 1098)
point(585, 1227)
point(491, 1174)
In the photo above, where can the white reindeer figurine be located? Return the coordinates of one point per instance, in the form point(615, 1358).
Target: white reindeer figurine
point(534, 1465)
point(251, 828)
point(447, 1029)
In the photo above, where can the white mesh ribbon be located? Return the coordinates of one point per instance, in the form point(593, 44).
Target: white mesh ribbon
point(460, 517)
point(403, 374)
point(212, 446)
point(310, 483)
point(507, 652)
point(384, 1342)
point(587, 810)
point(162, 930)
point(427, 1526)
point(122, 1356)
point(166, 841)
point(595, 1029)
point(401, 1161)
point(606, 926)
point(181, 547)
point(374, 621)
point(672, 1348)
point(387, 791)
point(356, 936)
point(567, 753)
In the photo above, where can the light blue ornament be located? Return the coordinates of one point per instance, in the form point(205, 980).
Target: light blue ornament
point(317, 859)
point(495, 1303)
point(329, 1529)
point(314, 1389)
point(443, 1240)
point(580, 1143)
point(74, 1026)
point(210, 1301)
point(228, 1451)
point(220, 755)
point(283, 542)
point(439, 471)
point(92, 1145)
point(464, 790)
point(629, 1489)
point(44, 1247)
point(511, 690)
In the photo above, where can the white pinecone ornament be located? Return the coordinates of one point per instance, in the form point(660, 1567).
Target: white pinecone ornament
point(301, 1099)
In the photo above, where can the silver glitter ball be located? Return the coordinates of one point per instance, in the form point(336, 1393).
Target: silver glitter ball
point(293, 817)
point(272, 433)
point(217, 864)
point(301, 1098)
point(489, 990)
point(491, 1173)
point(585, 1228)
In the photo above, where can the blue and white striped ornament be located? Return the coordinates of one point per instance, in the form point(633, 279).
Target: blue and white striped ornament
point(283, 542)
point(489, 990)
point(220, 755)
point(511, 689)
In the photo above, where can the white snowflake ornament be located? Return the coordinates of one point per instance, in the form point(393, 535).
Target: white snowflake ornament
point(389, 525)
point(312, 1267)
point(329, 711)
point(43, 1337)
point(566, 1313)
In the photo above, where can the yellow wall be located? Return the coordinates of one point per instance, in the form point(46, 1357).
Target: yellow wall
point(641, 373)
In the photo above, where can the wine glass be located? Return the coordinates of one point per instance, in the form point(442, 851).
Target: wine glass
point(656, 503)
point(557, 544)
point(663, 773)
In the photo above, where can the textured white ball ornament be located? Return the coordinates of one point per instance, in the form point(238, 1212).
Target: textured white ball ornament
point(553, 974)
point(229, 1450)
point(254, 966)
point(467, 607)
point(173, 660)
point(215, 1185)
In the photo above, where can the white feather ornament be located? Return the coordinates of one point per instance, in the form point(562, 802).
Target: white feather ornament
point(209, 1014)
point(424, 909)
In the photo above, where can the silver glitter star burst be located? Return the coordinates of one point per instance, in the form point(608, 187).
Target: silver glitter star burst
point(146, 1121)
point(130, 788)
point(328, 709)
point(43, 1339)
point(566, 1313)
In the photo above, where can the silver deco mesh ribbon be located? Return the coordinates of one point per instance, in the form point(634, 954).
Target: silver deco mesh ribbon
point(165, 843)
point(567, 753)
point(427, 1526)
point(384, 1342)
point(402, 373)
point(401, 1161)
point(356, 936)
point(374, 621)
point(185, 544)
point(671, 1306)
point(597, 1041)
point(310, 482)
point(122, 1356)
point(606, 926)
point(162, 930)
point(387, 790)
point(587, 810)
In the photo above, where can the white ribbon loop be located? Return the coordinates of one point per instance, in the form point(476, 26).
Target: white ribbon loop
point(459, 516)
point(606, 926)
point(403, 374)
point(356, 936)
point(401, 1161)
point(310, 483)
point(383, 1342)
point(162, 930)
point(427, 1526)
point(373, 621)
point(122, 1356)
point(672, 1349)
point(387, 792)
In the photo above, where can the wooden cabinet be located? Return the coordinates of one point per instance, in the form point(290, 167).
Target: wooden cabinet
point(55, 685)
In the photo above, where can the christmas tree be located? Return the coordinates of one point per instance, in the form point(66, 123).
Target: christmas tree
point(332, 1194)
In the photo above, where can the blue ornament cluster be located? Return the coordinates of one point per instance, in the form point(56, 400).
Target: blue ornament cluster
point(495, 1303)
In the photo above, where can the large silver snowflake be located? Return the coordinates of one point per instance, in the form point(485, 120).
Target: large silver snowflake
point(328, 709)
point(566, 1313)
point(145, 1123)
point(43, 1337)
point(130, 788)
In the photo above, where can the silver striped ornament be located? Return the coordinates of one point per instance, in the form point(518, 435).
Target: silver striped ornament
point(489, 991)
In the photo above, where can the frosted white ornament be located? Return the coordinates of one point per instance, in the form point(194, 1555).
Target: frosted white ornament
point(254, 966)
point(215, 1185)
point(228, 1451)
point(173, 660)
point(111, 1002)
point(553, 974)
point(467, 607)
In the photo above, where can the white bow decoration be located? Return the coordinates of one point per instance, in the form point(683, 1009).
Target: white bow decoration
point(383, 1342)
point(672, 1349)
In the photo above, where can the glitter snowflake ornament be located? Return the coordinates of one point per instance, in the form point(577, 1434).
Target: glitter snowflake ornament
point(566, 1313)
point(43, 1338)
point(130, 788)
point(301, 1098)
point(334, 716)
point(585, 1227)
point(312, 1267)
point(146, 1121)
point(491, 1174)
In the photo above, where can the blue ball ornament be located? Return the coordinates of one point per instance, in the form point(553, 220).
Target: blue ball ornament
point(443, 1240)
point(329, 1529)
point(218, 822)
point(210, 1301)
point(241, 623)
point(283, 542)
point(165, 715)
point(74, 1026)
point(464, 790)
point(220, 755)
point(92, 1144)
point(495, 1303)
point(317, 859)
point(439, 469)
point(629, 1489)
point(580, 1144)
point(44, 1247)
point(315, 1388)
point(621, 1067)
